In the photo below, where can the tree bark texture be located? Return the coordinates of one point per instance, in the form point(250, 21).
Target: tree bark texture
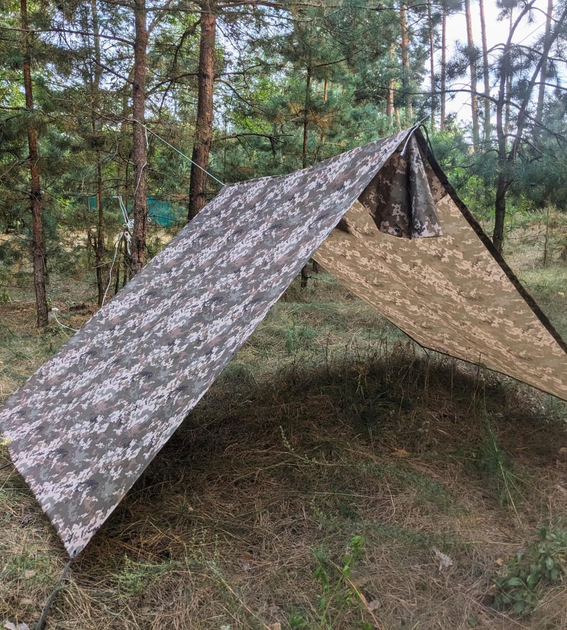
point(486, 76)
point(95, 103)
point(405, 60)
point(306, 107)
point(391, 88)
point(472, 66)
point(431, 64)
point(204, 123)
point(541, 92)
point(443, 114)
point(140, 156)
point(38, 246)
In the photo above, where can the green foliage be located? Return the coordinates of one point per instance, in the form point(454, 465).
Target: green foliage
point(299, 337)
point(297, 621)
point(526, 575)
point(135, 578)
point(497, 467)
point(337, 589)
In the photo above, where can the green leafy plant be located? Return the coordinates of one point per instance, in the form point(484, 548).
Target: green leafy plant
point(337, 589)
point(524, 577)
point(297, 621)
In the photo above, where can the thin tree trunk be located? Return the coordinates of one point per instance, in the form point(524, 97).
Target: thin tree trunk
point(522, 116)
point(139, 150)
point(99, 252)
point(95, 94)
point(204, 124)
point(506, 161)
point(325, 99)
point(38, 248)
point(443, 68)
point(546, 238)
point(541, 93)
point(306, 116)
point(405, 59)
point(501, 132)
point(118, 257)
point(431, 64)
point(392, 86)
point(486, 76)
point(508, 87)
point(472, 66)
point(304, 270)
point(127, 243)
point(502, 186)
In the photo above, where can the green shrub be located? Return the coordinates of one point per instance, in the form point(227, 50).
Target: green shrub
point(524, 577)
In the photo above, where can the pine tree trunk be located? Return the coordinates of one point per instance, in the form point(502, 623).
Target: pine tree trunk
point(508, 91)
point(501, 183)
point(391, 87)
point(325, 99)
point(431, 64)
point(38, 248)
point(486, 76)
point(443, 69)
point(139, 149)
point(472, 66)
point(204, 124)
point(117, 278)
point(541, 92)
point(306, 117)
point(95, 99)
point(307, 103)
point(500, 212)
point(99, 252)
point(405, 60)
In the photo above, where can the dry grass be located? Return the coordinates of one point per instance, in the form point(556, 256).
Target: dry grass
point(328, 424)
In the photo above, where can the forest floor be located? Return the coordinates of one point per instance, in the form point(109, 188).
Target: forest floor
point(330, 441)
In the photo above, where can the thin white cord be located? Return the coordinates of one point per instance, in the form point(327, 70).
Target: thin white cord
point(128, 223)
point(145, 163)
point(55, 310)
point(183, 154)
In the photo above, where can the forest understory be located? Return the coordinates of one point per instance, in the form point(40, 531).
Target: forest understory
point(336, 477)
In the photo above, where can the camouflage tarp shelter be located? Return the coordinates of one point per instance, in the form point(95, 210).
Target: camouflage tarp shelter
point(382, 218)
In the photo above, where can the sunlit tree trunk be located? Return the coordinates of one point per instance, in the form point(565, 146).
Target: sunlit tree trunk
point(140, 156)
point(391, 87)
point(508, 89)
point(431, 64)
point(542, 76)
point(204, 123)
point(443, 68)
point(486, 76)
point(472, 66)
point(405, 59)
point(38, 248)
